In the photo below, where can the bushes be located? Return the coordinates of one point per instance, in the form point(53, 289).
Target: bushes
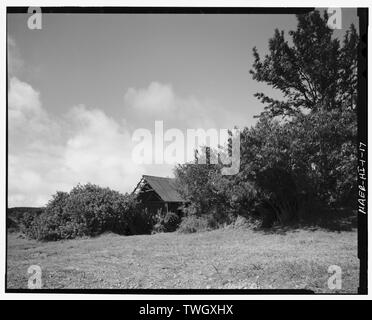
point(168, 222)
point(16, 215)
point(88, 210)
point(27, 223)
point(286, 166)
point(193, 223)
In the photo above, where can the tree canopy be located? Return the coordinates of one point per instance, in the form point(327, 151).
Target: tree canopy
point(299, 159)
point(312, 69)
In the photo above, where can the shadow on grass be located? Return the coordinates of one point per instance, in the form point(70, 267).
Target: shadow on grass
point(348, 223)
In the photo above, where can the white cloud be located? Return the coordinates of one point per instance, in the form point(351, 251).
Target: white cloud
point(100, 149)
point(29, 125)
point(152, 100)
point(159, 102)
point(96, 149)
point(24, 102)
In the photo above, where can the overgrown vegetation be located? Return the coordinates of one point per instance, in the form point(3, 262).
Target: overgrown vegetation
point(15, 216)
point(193, 223)
point(87, 210)
point(166, 222)
point(298, 162)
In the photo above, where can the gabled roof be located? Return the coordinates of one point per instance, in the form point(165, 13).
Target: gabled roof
point(164, 187)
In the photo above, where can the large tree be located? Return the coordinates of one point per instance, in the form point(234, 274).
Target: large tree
point(313, 70)
point(291, 168)
point(315, 147)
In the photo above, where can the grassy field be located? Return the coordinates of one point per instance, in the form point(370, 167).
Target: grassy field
point(216, 259)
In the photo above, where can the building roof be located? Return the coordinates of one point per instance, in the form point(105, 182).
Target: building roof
point(164, 187)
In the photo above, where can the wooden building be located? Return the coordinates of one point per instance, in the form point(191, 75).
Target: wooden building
point(159, 194)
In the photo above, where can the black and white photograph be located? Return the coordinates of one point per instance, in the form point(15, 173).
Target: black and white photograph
point(186, 150)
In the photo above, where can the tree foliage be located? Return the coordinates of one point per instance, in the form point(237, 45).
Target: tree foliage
point(312, 71)
point(301, 154)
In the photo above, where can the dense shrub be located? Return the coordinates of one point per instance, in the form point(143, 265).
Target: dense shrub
point(87, 210)
point(209, 193)
point(27, 222)
point(166, 222)
point(16, 215)
point(193, 223)
point(290, 172)
point(243, 223)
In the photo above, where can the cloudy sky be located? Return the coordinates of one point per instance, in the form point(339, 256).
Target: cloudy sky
point(80, 86)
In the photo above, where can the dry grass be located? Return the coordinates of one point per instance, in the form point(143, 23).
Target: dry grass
point(215, 259)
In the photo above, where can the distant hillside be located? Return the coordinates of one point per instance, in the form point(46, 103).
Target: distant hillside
point(15, 214)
